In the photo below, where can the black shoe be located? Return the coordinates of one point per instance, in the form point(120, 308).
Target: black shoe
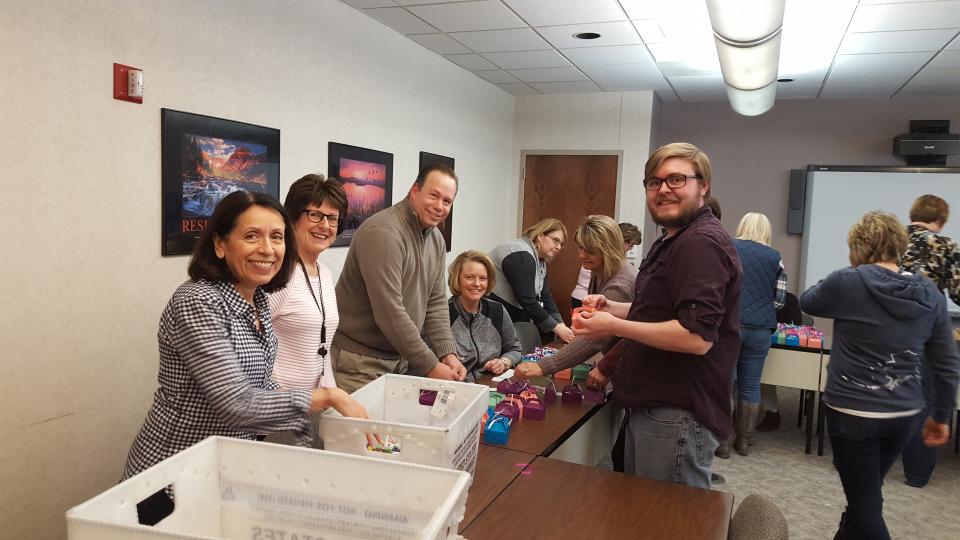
point(913, 482)
point(770, 422)
point(717, 479)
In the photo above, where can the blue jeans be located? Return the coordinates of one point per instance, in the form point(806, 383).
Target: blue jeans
point(754, 344)
point(919, 460)
point(863, 451)
point(668, 444)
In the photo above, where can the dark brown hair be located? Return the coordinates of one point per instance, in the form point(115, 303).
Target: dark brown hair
point(315, 188)
point(204, 263)
point(929, 209)
point(439, 167)
point(631, 233)
point(877, 237)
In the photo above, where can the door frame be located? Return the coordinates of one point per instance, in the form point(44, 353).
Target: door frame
point(523, 176)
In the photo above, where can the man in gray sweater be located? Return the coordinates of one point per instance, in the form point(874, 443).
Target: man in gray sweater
point(391, 293)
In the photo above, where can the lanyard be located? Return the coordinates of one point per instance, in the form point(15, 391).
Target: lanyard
point(322, 349)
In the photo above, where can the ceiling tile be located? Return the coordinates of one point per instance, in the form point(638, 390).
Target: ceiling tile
point(879, 68)
point(497, 76)
point(556, 12)
point(833, 90)
point(615, 54)
point(944, 68)
point(805, 85)
point(699, 89)
point(466, 16)
point(915, 89)
point(439, 43)
point(578, 87)
point(470, 61)
point(627, 77)
point(518, 89)
point(955, 44)
point(612, 33)
point(520, 39)
point(418, 2)
point(562, 74)
point(364, 4)
point(527, 59)
point(906, 16)
point(400, 20)
point(701, 55)
point(899, 41)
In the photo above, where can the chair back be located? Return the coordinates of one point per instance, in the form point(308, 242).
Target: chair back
point(529, 336)
point(758, 518)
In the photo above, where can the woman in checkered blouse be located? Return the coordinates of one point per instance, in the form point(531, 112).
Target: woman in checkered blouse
point(217, 344)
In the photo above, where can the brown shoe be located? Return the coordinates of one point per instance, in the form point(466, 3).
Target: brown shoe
point(770, 422)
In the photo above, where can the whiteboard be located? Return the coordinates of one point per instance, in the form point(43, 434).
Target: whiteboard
point(836, 197)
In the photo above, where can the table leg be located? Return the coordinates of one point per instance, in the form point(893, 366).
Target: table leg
point(800, 410)
point(820, 426)
point(810, 410)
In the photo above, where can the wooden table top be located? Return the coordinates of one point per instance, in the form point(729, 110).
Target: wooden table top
point(541, 437)
point(556, 499)
point(496, 468)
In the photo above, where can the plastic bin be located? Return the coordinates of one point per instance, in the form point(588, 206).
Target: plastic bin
point(417, 436)
point(231, 488)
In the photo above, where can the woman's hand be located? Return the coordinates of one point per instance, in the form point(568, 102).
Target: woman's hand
point(935, 434)
point(596, 301)
point(596, 325)
point(563, 333)
point(338, 399)
point(527, 370)
point(497, 365)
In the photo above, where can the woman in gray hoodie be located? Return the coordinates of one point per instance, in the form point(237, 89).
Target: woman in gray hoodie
point(887, 323)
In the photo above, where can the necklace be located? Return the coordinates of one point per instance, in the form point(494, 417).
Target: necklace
point(322, 349)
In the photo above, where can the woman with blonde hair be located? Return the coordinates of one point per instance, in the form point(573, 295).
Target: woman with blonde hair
point(763, 289)
point(485, 337)
point(887, 326)
point(521, 279)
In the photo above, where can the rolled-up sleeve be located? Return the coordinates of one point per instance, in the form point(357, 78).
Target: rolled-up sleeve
point(700, 271)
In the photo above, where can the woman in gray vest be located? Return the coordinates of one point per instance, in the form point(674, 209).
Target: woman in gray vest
point(763, 290)
point(521, 281)
point(482, 329)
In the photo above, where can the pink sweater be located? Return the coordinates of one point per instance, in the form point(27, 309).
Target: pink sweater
point(297, 323)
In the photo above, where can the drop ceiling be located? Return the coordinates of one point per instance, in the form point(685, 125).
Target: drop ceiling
point(831, 49)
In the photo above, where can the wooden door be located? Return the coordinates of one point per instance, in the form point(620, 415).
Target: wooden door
point(568, 188)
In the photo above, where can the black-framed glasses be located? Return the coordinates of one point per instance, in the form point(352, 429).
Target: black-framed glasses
point(673, 181)
point(316, 216)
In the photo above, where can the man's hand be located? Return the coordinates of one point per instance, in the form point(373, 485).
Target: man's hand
point(339, 400)
point(497, 365)
point(563, 333)
point(596, 301)
point(528, 369)
point(596, 325)
point(935, 434)
point(596, 379)
point(452, 361)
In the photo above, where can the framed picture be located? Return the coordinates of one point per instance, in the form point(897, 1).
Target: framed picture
point(367, 177)
point(426, 158)
point(204, 159)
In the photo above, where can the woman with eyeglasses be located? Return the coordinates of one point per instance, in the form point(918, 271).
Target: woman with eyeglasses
point(305, 311)
point(521, 282)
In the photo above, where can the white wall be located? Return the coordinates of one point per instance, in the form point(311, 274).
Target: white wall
point(600, 122)
point(83, 280)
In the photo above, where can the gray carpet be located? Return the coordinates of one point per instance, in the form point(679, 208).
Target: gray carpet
point(808, 489)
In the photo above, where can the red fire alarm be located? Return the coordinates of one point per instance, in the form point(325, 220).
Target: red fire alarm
point(127, 83)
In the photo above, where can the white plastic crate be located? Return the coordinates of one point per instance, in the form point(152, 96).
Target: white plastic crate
point(393, 402)
point(230, 488)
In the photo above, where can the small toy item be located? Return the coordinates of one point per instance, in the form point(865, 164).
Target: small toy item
point(533, 408)
point(773, 338)
point(575, 315)
point(495, 398)
point(594, 395)
point(580, 372)
point(549, 392)
point(428, 397)
point(507, 386)
point(572, 394)
point(506, 408)
point(517, 404)
point(793, 340)
point(563, 374)
point(815, 343)
point(498, 430)
point(803, 340)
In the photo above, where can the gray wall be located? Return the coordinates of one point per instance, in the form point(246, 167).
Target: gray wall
point(752, 156)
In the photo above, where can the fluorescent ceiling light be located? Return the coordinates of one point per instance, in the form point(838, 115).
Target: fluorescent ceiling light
point(752, 102)
point(749, 68)
point(745, 20)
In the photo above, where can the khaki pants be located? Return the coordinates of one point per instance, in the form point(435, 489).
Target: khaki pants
point(353, 370)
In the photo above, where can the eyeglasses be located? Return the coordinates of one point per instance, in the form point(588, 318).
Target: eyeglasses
point(555, 240)
point(673, 181)
point(317, 216)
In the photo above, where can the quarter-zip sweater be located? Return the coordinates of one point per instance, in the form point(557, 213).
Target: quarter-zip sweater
point(391, 292)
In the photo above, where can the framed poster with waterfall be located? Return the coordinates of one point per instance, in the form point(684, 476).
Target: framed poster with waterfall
point(204, 159)
point(367, 177)
point(446, 228)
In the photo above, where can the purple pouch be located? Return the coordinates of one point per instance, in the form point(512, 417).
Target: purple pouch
point(505, 409)
point(508, 387)
point(594, 396)
point(427, 397)
point(572, 394)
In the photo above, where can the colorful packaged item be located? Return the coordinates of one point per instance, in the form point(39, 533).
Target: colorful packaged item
point(572, 394)
point(498, 430)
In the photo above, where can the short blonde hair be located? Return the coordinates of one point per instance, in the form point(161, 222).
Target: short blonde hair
point(756, 227)
point(929, 209)
point(687, 151)
point(456, 267)
point(544, 226)
point(600, 235)
point(877, 237)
